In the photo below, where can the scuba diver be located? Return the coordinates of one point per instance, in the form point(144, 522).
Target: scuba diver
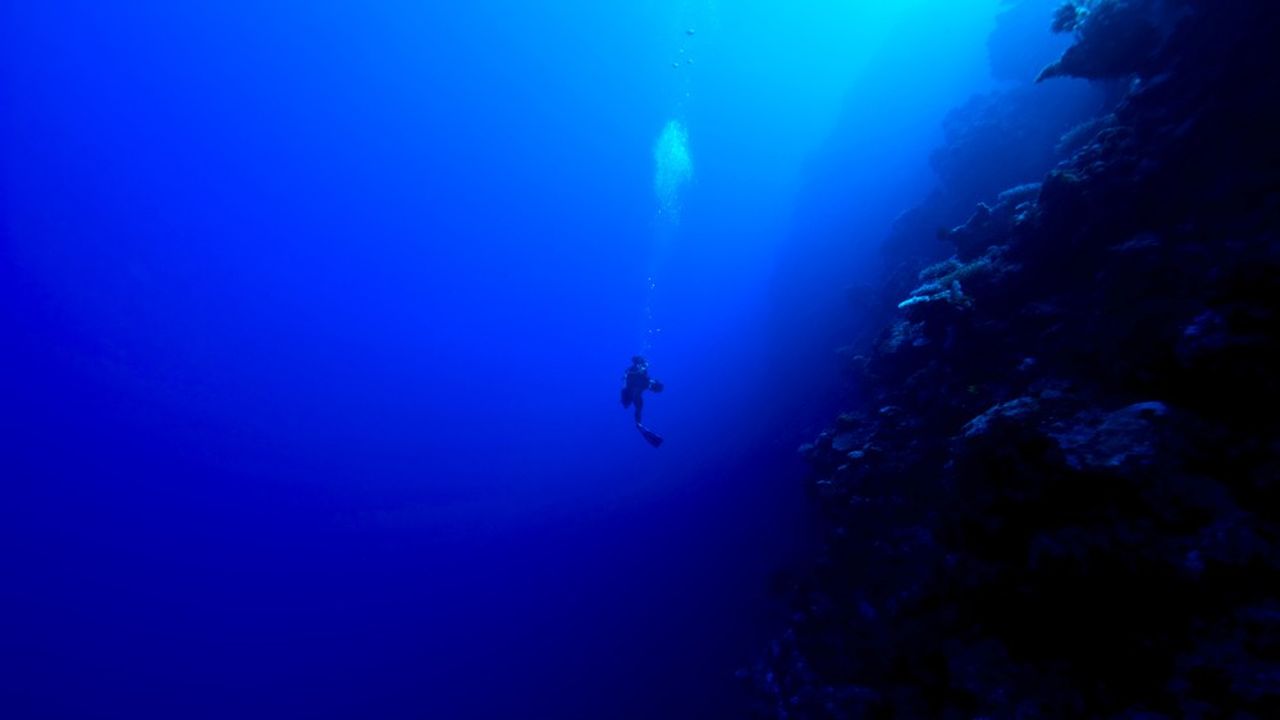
point(634, 383)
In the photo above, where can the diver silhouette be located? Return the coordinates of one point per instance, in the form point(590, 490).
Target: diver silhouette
point(634, 383)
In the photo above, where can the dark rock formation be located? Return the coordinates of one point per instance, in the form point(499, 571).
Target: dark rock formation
point(994, 141)
point(1114, 38)
point(991, 143)
point(1058, 492)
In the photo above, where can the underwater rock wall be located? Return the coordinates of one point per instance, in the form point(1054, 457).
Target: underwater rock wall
point(993, 142)
point(1056, 493)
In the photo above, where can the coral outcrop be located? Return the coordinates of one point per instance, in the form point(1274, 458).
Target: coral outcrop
point(1057, 491)
point(1114, 38)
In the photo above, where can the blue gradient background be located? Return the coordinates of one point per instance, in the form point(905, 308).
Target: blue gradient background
point(313, 316)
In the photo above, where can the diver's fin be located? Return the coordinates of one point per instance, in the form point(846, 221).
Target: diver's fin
point(652, 437)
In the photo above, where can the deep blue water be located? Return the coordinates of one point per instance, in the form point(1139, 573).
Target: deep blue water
point(314, 316)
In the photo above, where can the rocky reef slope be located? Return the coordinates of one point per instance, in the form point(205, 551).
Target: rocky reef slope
point(1057, 493)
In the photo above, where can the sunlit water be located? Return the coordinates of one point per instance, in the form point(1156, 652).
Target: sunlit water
point(314, 317)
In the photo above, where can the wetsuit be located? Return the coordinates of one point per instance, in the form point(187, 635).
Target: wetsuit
point(636, 382)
